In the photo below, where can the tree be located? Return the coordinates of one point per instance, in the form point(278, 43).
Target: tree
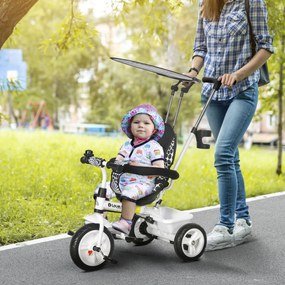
point(62, 43)
point(162, 42)
point(11, 12)
point(276, 11)
point(167, 42)
point(53, 72)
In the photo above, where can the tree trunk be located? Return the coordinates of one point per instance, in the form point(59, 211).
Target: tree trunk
point(11, 12)
point(280, 111)
point(11, 109)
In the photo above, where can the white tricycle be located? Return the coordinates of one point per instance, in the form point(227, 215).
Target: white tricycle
point(92, 245)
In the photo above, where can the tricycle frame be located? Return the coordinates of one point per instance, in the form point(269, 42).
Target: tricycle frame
point(87, 247)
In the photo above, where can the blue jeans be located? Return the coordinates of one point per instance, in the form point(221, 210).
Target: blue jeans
point(229, 121)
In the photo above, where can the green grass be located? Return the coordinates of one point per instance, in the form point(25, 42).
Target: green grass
point(45, 190)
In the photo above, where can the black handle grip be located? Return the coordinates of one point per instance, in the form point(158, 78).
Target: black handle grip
point(97, 161)
point(88, 153)
point(89, 158)
point(84, 159)
point(217, 83)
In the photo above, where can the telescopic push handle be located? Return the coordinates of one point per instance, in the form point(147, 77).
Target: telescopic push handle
point(217, 83)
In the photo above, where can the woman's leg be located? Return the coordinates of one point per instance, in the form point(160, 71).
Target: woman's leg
point(241, 206)
point(229, 121)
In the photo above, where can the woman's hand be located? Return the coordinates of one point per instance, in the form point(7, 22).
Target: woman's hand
point(229, 79)
point(192, 73)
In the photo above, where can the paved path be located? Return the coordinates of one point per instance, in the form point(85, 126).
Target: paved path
point(260, 261)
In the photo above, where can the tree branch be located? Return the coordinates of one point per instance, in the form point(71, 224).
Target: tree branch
point(11, 12)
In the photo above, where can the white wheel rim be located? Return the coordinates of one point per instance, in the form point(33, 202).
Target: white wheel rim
point(193, 242)
point(86, 252)
point(137, 230)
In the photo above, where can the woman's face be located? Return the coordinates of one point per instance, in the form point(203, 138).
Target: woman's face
point(142, 126)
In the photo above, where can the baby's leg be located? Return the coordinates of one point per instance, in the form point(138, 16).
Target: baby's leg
point(130, 194)
point(128, 209)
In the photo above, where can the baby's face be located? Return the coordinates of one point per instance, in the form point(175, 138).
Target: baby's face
point(142, 126)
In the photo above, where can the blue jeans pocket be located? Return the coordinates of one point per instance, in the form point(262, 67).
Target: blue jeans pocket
point(251, 93)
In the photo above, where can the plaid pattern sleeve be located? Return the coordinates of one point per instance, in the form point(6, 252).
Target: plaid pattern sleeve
point(259, 19)
point(225, 44)
point(200, 48)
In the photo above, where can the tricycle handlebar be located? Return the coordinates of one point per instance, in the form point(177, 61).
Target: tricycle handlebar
point(89, 158)
point(217, 83)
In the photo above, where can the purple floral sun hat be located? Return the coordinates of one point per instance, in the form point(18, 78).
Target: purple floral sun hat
point(144, 109)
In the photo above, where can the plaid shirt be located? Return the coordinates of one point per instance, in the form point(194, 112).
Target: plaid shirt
point(225, 44)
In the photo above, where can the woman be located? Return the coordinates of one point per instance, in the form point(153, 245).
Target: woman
point(222, 46)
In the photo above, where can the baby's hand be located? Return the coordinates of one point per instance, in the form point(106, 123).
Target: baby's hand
point(134, 163)
point(119, 162)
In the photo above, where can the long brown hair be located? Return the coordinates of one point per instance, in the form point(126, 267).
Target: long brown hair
point(211, 9)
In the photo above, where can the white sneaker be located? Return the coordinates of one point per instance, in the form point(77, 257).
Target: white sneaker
point(219, 238)
point(242, 231)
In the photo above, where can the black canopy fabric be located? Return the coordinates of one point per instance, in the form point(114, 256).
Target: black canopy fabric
point(158, 70)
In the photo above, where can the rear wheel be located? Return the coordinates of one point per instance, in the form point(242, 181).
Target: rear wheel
point(83, 250)
point(139, 231)
point(190, 242)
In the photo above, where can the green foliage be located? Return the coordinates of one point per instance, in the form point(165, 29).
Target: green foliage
point(161, 43)
point(269, 94)
point(74, 32)
point(60, 47)
point(3, 117)
point(170, 30)
point(61, 44)
point(64, 42)
point(45, 190)
point(147, 11)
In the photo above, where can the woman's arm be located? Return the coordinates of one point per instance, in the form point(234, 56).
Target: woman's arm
point(196, 66)
point(255, 63)
point(258, 17)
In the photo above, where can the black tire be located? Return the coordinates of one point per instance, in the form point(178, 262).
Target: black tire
point(139, 231)
point(190, 242)
point(82, 243)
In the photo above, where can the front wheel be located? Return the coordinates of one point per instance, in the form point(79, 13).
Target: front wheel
point(83, 249)
point(190, 242)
